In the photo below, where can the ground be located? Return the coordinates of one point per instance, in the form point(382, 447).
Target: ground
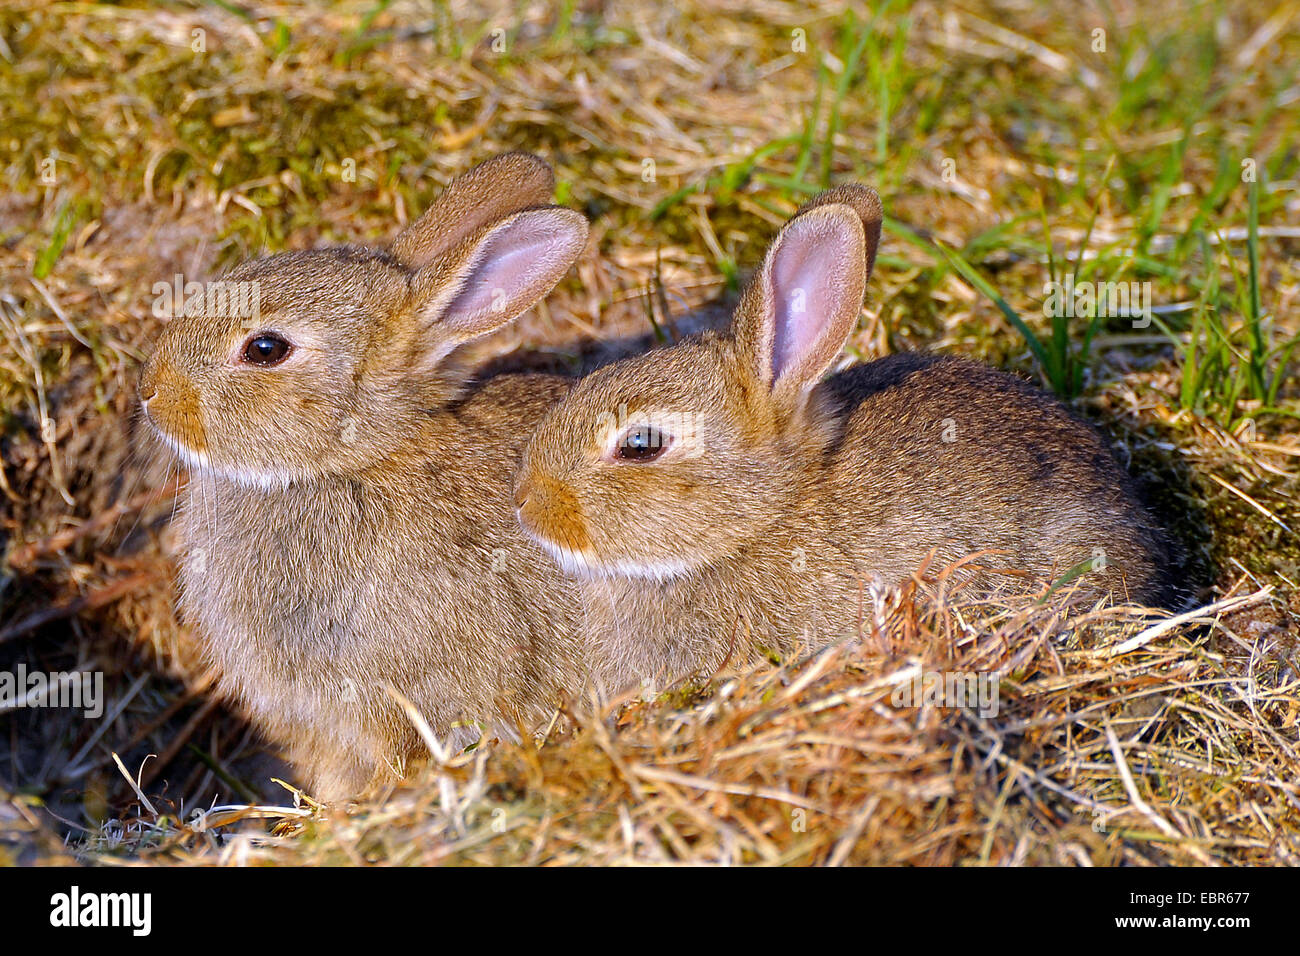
point(1013, 143)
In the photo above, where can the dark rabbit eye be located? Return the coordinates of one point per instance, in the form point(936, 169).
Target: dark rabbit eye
point(266, 349)
point(642, 443)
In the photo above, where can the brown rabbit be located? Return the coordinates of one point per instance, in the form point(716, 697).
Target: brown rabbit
point(347, 523)
point(717, 496)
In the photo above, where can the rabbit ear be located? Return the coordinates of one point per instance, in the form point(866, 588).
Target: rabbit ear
point(495, 188)
point(802, 305)
point(495, 276)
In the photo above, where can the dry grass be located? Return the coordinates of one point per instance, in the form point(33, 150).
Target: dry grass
point(1180, 747)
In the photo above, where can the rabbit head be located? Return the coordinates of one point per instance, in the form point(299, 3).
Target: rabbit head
point(661, 464)
point(318, 362)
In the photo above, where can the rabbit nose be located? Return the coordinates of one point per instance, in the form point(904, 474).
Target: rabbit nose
point(522, 492)
point(148, 385)
point(157, 374)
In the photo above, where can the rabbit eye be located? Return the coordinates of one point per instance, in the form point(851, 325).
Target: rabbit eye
point(266, 350)
point(642, 443)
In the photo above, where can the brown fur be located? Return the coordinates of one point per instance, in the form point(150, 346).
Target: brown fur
point(797, 498)
point(347, 523)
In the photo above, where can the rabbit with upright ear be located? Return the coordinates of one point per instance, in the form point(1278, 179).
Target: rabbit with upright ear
point(347, 524)
point(717, 496)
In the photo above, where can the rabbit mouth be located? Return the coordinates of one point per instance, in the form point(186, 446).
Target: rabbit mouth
point(571, 561)
point(201, 462)
point(586, 564)
point(194, 458)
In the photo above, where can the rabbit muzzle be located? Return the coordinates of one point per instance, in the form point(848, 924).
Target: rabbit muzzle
point(551, 515)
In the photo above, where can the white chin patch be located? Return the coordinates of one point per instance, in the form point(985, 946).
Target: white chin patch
point(201, 462)
point(653, 570)
point(572, 562)
point(583, 564)
point(197, 460)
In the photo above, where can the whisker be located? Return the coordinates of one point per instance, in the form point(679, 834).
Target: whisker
point(137, 462)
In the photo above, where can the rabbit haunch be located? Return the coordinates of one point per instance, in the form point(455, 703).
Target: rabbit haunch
point(347, 526)
point(794, 496)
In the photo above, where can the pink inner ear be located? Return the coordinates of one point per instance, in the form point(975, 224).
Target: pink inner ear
point(808, 293)
point(513, 268)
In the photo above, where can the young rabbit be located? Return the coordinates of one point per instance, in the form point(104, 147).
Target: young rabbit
point(347, 523)
point(716, 496)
